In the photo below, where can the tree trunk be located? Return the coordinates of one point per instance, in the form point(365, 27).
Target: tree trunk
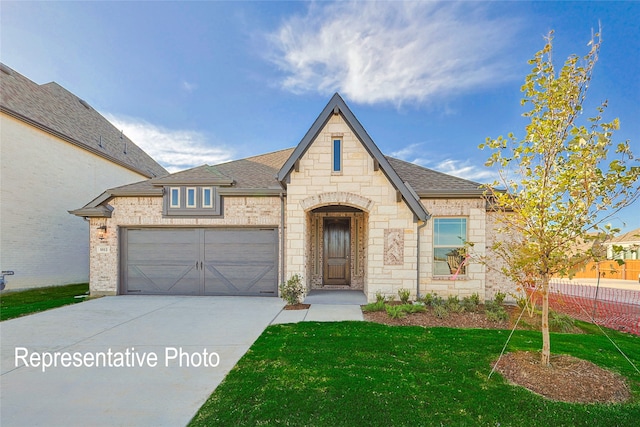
point(546, 340)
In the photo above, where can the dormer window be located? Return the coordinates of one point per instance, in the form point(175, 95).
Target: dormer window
point(191, 197)
point(191, 201)
point(174, 196)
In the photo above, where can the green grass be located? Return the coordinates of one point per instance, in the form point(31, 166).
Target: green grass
point(21, 303)
point(367, 374)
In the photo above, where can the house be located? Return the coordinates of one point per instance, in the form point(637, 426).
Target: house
point(333, 209)
point(56, 153)
point(625, 246)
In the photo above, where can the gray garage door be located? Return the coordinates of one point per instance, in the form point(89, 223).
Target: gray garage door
point(203, 261)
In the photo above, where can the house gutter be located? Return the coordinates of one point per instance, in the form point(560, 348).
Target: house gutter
point(420, 227)
point(282, 235)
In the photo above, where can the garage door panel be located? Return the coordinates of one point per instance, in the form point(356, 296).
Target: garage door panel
point(234, 261)
point(163, 279)
point(240, 262)
point(240, 279)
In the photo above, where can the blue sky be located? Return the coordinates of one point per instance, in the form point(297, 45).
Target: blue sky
point(206, 82)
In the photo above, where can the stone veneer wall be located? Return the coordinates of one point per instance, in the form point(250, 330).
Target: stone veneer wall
point(358, 185)
point(475, 279)
point(147, 211)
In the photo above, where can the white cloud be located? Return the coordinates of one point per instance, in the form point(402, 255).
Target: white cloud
point(174, 149)
point(461, 168)
point(398, 52)
point(188, 87)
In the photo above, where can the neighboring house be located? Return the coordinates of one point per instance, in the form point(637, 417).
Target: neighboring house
point(56, 152)
point(625, 246)
point(333, 209)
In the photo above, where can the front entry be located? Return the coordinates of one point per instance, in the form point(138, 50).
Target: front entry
point(337, 251)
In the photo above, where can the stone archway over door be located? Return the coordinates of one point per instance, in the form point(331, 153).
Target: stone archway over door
point(337, 251)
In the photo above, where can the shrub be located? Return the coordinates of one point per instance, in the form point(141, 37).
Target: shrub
point(374, 306)
point(453, 304)
point(413, 308)
point(404, 295)
point(471, 303)
point(395, 311)
point(497, 314)
point(380, 297)
point(475, 298)
point(440, 311)
point(499, 297)
point(560, 322)
point(292, 291)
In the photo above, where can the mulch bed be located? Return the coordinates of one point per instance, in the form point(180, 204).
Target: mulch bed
point(297, 306)
point(568, 379)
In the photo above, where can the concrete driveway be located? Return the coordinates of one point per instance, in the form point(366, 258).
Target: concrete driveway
point(159, 359)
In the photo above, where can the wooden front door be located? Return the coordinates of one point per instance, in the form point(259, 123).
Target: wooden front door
point(337, 251)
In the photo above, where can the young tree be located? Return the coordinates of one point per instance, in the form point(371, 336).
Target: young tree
point(562, 181)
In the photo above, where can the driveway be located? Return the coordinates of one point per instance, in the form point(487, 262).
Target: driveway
point(125, 360)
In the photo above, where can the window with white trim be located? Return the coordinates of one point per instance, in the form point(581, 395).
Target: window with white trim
point(174, 196)
point(191, 197)
point(207, 197)
point(192, 201)
point(449, 237)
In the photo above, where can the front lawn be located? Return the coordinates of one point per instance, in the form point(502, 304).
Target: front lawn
point(368, 374)
point(20, 303)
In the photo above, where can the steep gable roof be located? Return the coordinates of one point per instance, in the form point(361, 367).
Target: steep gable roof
point(55, 110)
point(337, 106)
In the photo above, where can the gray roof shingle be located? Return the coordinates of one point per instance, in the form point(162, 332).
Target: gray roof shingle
point(259, 172)
point(52, 108)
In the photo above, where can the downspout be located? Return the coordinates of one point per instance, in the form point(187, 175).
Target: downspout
point(282, 237)
point(420, 227)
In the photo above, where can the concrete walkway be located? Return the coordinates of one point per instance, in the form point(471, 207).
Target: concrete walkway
point(131, 390)
point(136, 360)
point(326, 306)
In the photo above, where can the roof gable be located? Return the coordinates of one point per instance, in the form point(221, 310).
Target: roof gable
point(337, 106)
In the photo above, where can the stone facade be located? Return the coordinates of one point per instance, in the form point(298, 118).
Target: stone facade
point(358, 186)
point(474, 281)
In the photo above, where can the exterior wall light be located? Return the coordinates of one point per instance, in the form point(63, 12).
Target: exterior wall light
point(102, 232)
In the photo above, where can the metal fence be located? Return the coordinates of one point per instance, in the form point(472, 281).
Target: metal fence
point(610, 307)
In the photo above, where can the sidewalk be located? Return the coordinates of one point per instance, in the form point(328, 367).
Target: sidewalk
point(326, 306)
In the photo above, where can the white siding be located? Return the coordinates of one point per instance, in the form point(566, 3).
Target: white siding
point(41, 179)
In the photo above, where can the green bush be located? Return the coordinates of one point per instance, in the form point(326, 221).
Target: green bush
point(471, 303)
point(404, 295)
point(413, 308)
point(380, 297)
point(374, 306)
point(499, 297)
point(453, 304)
point(440, 311)
point(395, 311)
point(560, 322)
point(497, 314)
point(292, 291)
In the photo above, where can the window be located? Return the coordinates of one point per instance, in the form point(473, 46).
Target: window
point(192, 201)
point(337, 155)
point(175, 197)
point(207, 200)
point(449, 236)
point(191, 197)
